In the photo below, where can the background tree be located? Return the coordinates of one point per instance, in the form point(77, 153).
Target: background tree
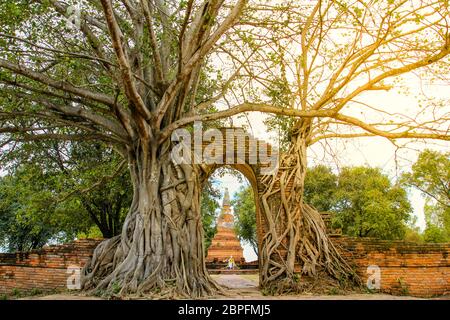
point(430, 174)
point(434, 234)
point(80, 177)
point(96, 179)
point(320, 187)
point(29, 216)
point(413, 233)
point(243, 204)
point(368, 205)
point(362, 200)
point(209, 205)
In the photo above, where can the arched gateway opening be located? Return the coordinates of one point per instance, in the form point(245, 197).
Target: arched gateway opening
point(251, 157)
point(231, 241)
point(249, 176)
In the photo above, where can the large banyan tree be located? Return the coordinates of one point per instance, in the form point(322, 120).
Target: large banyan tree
point(130, 72)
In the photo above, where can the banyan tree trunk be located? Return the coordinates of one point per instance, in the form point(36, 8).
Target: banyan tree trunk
point(296, 243)
point(160, 250)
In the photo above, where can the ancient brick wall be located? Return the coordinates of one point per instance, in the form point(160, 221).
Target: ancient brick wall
point(45, 269)
point(405, 268)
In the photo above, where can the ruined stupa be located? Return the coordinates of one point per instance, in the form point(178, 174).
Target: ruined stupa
point(225, 243)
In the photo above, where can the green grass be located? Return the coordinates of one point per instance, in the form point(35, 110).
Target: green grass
point(16, 293)
point(333, 291)
point(35, 292)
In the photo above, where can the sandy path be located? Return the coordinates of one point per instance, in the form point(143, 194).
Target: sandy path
point(243, 287)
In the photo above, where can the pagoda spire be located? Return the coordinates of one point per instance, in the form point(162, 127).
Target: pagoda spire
point(226, 198)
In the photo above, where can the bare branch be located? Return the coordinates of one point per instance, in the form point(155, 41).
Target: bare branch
point(60, 85)
point(127, 75)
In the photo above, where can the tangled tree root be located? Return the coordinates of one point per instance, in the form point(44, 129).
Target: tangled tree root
point(320, 284)
point(296, 245)
point(110, 274)
point(312, 263)
point(160, 252)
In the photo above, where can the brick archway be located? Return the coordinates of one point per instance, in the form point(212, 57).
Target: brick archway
point(250, 170)
point(253, 170)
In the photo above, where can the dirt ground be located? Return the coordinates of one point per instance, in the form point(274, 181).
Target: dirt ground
point(246, 287)
point(243, 287)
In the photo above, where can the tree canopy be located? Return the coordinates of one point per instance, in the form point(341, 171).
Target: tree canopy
point(321, 187)
point(127, 62)
point(72, 186)
point(369, 205)
point(430, 174)
point(209, 205)
point(29, 217)
point(243, 204)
